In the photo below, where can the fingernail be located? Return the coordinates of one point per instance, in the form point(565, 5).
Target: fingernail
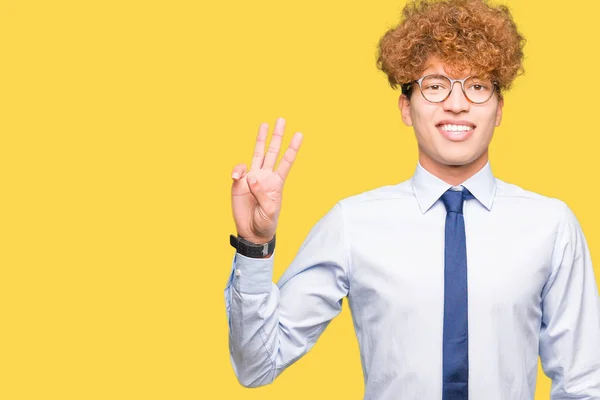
point(235, 175)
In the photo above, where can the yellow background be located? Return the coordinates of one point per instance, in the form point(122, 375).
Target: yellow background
point(120, 122)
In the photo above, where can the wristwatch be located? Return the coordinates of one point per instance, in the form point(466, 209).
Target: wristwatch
point(250, 249)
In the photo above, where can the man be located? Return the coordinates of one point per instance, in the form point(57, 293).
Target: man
point(456, 280)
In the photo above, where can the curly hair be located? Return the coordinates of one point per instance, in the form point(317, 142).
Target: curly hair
point(463, 34)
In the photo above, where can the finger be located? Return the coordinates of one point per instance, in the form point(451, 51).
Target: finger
point(264, 201)
point(238, 171)
point(283, 169)
point(274, 145)
point(259, 148)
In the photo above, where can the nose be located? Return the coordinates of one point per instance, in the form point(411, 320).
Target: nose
point(456, 102)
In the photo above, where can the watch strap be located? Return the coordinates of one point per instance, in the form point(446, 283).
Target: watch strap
point(250, 249)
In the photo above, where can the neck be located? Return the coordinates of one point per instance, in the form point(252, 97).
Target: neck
point(453, 174)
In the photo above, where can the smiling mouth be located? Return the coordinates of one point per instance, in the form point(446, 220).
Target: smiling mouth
point(456, 132)
point(450, 128)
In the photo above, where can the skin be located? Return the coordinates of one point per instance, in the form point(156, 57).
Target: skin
point(256, 193)
point(452, 161)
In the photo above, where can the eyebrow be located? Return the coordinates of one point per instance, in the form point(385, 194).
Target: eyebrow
point(476, 77)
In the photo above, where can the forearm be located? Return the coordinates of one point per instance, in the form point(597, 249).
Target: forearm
point(271, 326)
point(251, 300)
point(254, 337)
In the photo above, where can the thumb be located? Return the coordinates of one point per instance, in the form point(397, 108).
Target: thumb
point(265, 202)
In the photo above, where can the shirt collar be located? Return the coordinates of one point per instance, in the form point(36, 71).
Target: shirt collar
point(428, 188)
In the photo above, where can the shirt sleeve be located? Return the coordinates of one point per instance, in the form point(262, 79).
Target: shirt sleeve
point(271, 326)
point(570, 329)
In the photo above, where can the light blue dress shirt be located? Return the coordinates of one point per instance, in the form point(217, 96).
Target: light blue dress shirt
point(531, 287)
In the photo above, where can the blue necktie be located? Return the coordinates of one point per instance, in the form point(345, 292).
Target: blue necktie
point(455, 365)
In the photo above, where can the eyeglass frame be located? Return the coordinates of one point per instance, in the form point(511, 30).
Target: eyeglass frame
point(406, 88)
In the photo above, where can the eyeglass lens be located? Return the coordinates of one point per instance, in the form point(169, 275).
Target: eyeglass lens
point(436, 88)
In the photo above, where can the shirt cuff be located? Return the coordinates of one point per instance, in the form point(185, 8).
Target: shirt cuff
point(252, 275)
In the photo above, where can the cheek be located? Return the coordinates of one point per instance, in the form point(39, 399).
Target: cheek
point(486, 132)
point(422, 118)
point(423, 130)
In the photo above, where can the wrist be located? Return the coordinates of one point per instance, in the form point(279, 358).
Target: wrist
point(262, 248)
point(259, 241)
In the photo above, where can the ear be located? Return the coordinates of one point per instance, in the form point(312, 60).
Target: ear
point(404, 106)
point(499, 111)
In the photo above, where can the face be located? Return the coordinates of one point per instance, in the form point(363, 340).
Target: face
point(454, 133)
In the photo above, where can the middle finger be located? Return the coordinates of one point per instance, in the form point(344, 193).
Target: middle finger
point(275, 145)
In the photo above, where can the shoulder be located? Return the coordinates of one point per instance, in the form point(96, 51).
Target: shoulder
point(374, 197)
point(510, 192)
point(372, 208)
point(527, 202)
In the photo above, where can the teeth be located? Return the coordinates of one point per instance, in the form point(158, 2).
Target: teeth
point(456, 128)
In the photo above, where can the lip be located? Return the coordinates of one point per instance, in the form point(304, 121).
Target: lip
point(457, 136)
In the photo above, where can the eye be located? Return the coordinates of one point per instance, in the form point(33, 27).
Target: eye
point(434, 87)
point(475, 84)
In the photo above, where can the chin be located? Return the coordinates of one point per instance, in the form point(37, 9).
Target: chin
point(451, 156)
point(457, 161)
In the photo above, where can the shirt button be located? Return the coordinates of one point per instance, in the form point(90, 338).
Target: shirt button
point(238, 272)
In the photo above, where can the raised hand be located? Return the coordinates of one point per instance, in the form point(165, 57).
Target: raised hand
point(256, 194)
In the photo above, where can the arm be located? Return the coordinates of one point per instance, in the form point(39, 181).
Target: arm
point(271, 326)
point(570, 331)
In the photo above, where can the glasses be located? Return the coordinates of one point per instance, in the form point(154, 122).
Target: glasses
point(437, 88)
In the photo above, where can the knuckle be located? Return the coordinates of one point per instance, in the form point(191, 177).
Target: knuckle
point(288, 158)
point(270, 211)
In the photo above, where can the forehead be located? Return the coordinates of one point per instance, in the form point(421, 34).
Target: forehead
point(435, 66)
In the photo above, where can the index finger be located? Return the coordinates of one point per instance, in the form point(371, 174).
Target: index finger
point(275, 145)
point(259, 149)
point(285, 165)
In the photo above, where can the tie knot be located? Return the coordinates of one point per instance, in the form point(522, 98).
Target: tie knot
point(453, 199)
